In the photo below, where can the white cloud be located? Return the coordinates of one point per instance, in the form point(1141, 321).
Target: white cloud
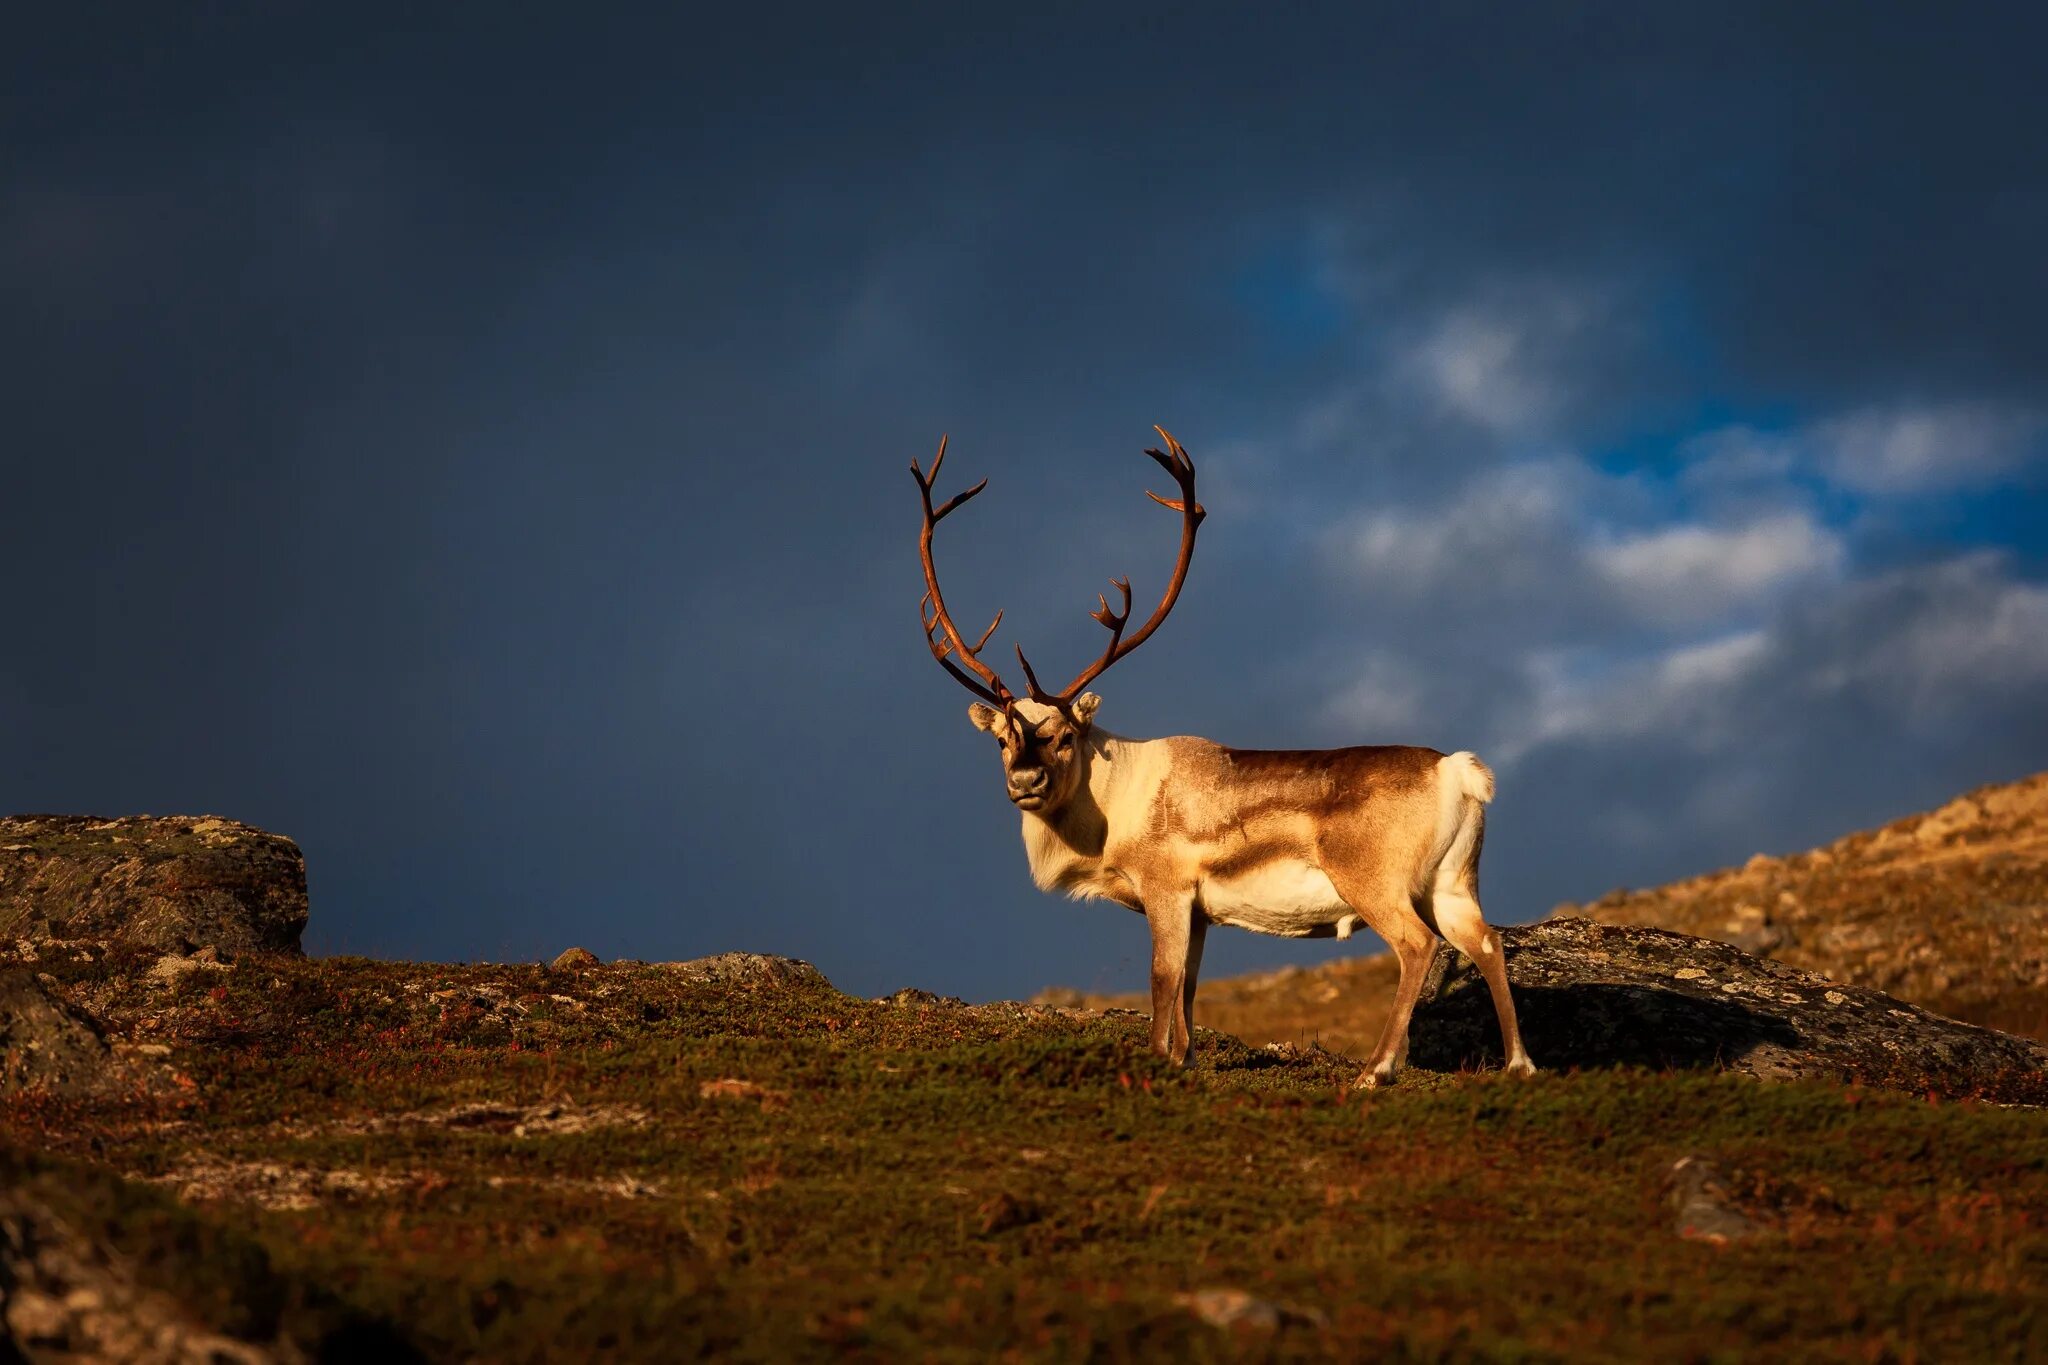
point(1479, 367)
point(1922, 648)
point(1694, 572)
point(1560, 537)
point(1676, 693)
point(1500, 365)
point(1515, 515)
point(1912, 449)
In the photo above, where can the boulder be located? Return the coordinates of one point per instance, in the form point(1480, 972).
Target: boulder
point(171, 884)
point(1593, 995)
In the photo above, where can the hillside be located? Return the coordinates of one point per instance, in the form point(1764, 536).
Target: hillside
point(1947, 909)
point(340, 1159)
point(252, 1156)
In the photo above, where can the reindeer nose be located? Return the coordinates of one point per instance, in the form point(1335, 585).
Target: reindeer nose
point(1026, 781)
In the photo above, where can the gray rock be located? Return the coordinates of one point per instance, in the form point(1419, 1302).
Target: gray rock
point(1591, 995)
point(172, 884)
point(47, 1043)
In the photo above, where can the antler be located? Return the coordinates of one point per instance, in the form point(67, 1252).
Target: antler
point(1174, 461)
point(931, 609)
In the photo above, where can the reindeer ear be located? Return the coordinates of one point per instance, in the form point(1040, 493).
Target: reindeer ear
point(985, 718)
point(1084, 707)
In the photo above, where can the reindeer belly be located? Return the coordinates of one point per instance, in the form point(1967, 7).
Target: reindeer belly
point(1287, 898)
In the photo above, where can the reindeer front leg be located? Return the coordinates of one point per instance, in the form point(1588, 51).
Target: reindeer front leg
point(1177, 934)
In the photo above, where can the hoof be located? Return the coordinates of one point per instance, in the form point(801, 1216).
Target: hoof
point(1521, 1066)
point(1374, 1078)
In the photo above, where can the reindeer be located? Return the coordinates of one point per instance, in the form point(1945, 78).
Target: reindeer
point(1189, 833)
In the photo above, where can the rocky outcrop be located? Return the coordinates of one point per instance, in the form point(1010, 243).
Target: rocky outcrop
point(747, 969)
point(51, 1045)
point(1948, 909)
point(1592, 995)
point(172, 884)
point(46, 1043)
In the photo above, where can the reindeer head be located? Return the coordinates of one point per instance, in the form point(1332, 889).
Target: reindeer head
point(1045, 759)
point(1043, 735)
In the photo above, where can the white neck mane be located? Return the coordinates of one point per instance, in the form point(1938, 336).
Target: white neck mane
point(1075, 850)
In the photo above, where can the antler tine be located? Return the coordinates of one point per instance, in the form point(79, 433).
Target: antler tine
point(989, 687)
point(1176, 462)
point(1038, 693)
point(940, 648)
point(1114, 620)
point(990, 631)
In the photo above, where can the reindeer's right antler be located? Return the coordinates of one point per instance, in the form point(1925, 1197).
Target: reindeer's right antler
point(932, 608)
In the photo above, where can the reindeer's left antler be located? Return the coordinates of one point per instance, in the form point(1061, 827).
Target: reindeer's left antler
point(1174, 460)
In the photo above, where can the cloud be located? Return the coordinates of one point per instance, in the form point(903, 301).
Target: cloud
point(1688, 572)
point(1913, 449)
point(1583, 546)
point(1506, 523)
point(1934, 641)
point(1504, 364)
point(1678, 693)
point(1384, 694)
point(1921, 648)
point(1736, 457)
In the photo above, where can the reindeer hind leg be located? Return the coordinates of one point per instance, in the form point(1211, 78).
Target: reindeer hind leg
point(1460, 921)
point(1389, 912)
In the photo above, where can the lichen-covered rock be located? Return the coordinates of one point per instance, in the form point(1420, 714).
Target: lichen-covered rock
point(1947, 908)
point(46, 1043)
point(172, 884)
point(1604, 995)
point(747, 969)
point(910, 997)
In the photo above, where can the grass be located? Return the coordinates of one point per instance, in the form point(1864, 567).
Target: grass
point(517, 1164)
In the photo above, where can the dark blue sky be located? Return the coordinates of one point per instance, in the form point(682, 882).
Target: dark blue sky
point(476, 445)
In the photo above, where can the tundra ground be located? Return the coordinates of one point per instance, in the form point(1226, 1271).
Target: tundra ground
point(517, 1163)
